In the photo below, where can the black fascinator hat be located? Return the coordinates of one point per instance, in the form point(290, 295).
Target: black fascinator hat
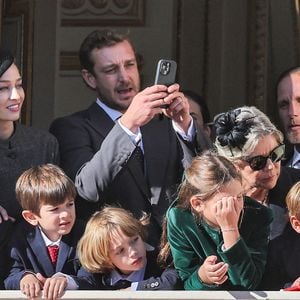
point(230, 131)
point(6, 60)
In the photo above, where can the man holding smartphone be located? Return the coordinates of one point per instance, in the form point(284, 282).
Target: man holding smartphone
point(101, 147)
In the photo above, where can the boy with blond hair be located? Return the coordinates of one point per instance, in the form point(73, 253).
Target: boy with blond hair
point(114, 251)
point(283, 263)
point(43, 249)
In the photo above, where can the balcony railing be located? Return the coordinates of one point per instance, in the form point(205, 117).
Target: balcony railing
point(166, 295)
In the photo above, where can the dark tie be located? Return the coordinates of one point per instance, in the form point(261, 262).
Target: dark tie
point(53, 253)
point(139, 156)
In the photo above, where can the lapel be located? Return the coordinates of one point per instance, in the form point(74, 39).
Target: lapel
point(64, 252)
point(139, 177)
point(39, 249)
point(103, 124)
point(156, 141)
point(152, 268)
point(99, 120)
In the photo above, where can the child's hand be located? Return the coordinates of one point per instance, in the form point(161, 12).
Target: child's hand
point(30, 286)
point(211, 272)
point(54, 286)
point(227, 211)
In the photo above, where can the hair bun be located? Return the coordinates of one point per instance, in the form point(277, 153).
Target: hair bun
point(229, 131)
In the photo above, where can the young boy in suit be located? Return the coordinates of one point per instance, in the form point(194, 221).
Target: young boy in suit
point(283, 263)
point(114, 251)
point(43, 249)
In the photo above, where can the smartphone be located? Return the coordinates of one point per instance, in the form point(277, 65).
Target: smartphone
point(165, 74)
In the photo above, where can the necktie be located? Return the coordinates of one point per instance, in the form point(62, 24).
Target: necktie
point(139, 156)
point(53, 253)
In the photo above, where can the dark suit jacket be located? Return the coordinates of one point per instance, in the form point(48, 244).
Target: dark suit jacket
point(28, 252)
point(155, 278)
point(283, 263)
point(288, 177)
point(99, 151)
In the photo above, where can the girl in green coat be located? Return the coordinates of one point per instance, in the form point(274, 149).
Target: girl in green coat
point(218, 237)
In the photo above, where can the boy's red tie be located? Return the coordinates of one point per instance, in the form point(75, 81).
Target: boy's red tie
point(53, 253)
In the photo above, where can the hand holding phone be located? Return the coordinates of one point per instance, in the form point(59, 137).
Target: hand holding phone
point(165, 74)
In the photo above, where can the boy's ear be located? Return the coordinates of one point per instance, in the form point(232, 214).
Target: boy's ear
point(89, 78)
point(30, 217)
point(197, 204)
point(295, 223)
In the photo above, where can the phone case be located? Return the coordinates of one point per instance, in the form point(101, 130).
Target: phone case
point(165, 72)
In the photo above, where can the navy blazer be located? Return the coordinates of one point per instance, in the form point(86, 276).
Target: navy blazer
point(155, 278)
point(28, 252)
point(97, 153)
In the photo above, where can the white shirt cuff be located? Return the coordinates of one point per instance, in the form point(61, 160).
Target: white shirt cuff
point(135, 137)
point(186, 136)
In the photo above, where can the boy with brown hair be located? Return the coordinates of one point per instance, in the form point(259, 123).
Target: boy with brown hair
point(43, 249)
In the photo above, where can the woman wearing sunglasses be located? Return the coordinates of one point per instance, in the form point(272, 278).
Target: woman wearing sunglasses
point(247, 137)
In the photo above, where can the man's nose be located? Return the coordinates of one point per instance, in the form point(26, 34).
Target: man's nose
point(123, 74)
point(294, 108)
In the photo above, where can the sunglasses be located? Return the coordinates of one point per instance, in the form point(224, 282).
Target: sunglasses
point(258, 162)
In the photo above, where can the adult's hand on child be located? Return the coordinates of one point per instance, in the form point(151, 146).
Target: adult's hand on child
point(30, 286)
point(53, 287)
point(213, 272)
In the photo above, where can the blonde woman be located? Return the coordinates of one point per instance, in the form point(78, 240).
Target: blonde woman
point(248, 138)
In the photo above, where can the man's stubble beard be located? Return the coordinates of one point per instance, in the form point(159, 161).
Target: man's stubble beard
point(293, 138)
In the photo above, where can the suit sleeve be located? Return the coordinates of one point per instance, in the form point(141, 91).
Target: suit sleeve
point(169, 280)
point(17, 271)
point(113, 155)
point(82, 164)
